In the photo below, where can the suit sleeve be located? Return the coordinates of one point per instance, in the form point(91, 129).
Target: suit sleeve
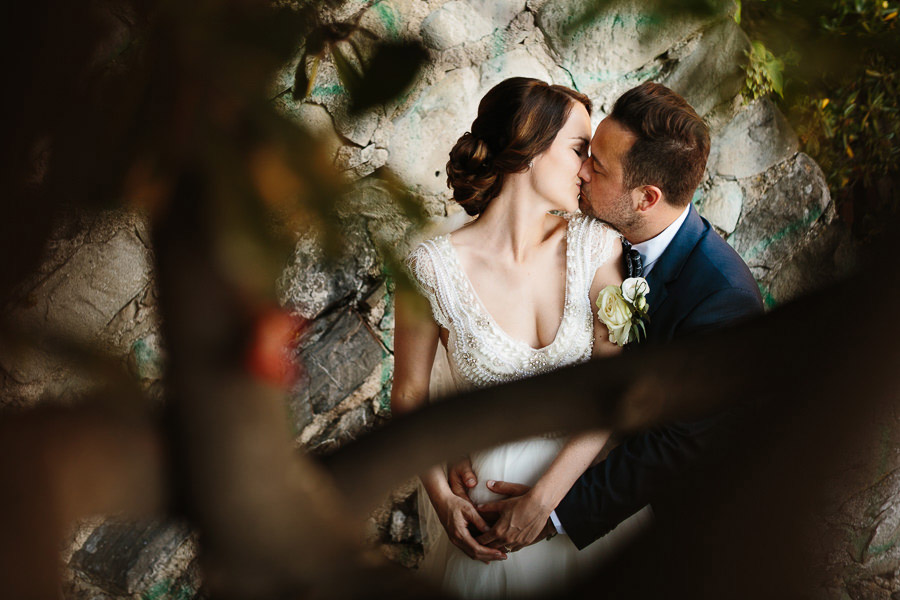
point(649, 464)
point(719, 310)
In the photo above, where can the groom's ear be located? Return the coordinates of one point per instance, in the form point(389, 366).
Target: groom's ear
point(646, 197)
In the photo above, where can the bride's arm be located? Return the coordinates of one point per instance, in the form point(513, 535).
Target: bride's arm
point(416, 336)
point(523, 519)
point(580, 451)
point(577, 455)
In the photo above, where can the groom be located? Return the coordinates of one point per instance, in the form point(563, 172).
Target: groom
point(647, 159)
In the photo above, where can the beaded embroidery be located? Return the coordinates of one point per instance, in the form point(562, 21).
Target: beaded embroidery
point(479, 351)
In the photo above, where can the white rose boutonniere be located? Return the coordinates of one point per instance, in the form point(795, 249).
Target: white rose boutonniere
point(623, 309)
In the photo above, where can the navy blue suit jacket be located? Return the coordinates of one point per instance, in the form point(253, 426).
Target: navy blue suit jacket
point(698, 284)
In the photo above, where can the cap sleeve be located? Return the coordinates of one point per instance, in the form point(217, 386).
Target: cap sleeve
point(594, 243)
point(601, 240)
point(422, 267)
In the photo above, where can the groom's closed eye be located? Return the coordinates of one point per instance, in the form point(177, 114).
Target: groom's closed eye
point(582, 148)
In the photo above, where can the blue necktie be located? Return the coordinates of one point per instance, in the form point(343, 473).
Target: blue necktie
point(634, 266)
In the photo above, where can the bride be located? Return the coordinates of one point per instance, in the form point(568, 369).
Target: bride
point(511, 295)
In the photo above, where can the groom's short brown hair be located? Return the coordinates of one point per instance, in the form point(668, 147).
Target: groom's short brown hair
point(672, 141)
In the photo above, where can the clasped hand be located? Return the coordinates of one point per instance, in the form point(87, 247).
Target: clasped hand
point(521, 519)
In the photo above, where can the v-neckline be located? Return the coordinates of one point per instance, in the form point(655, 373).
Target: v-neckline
point(464, 278)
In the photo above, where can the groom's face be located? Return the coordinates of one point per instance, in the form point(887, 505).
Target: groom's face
point(603, 193)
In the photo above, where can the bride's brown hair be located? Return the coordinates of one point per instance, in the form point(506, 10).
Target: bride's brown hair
point(517, 120)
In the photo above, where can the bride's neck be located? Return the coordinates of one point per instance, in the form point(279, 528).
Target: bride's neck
point(516, 222)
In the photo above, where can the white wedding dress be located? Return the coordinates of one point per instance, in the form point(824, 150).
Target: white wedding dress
point(479, 353)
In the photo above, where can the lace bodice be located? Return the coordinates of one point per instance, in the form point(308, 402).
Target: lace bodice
point(480, 353)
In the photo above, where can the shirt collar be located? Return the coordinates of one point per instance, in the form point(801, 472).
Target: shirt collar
point(653, 248)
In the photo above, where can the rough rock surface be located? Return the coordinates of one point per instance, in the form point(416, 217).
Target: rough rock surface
point(339, 360)
point(758, 138)
point(707, 69)
point(424, 135)
point(453, 24)
point(614, 43)
point(313, 282)
point(137, 559)
point(788, 234)
point(862, 514)
point(722, 204)
point(95, 289)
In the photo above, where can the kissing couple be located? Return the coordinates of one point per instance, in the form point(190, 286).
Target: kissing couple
point(514, 293)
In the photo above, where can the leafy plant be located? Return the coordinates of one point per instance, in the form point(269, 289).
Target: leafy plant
point(765, 73)
point(841, 94)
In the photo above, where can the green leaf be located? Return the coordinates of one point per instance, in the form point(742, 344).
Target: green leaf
point(776, 76)
point(758, 49)
point(394, 65)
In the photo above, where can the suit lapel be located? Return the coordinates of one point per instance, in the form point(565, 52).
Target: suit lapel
point(669, 265)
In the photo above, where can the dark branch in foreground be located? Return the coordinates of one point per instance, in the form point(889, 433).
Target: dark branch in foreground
point(778, 361)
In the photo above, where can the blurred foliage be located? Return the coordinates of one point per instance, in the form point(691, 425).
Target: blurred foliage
point(765, 73)
point(372, 72)
point(159, 91)
point(840, 90)
point(166, 108)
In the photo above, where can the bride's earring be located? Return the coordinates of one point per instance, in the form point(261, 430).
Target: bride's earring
point(531, 164)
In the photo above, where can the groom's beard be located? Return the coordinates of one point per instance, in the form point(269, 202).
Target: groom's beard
point(619, 215)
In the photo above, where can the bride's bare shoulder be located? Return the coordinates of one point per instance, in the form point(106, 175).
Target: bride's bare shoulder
point(467, 241)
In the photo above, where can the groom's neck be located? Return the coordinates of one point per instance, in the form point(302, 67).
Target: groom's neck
point(653, 222)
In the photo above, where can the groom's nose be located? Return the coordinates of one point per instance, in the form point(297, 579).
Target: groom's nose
point(584, 173)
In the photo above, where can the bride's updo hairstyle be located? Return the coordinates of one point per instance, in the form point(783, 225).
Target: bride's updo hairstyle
point(517, 120)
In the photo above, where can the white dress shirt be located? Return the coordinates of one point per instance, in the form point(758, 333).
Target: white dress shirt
point(653, 248)
point(650, 252)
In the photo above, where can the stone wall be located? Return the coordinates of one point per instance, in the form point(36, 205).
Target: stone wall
point(96, 287)
point(769, 201)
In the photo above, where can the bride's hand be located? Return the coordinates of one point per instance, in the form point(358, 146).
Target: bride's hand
point(461, 477)
point(523, 519)
point(455, 515)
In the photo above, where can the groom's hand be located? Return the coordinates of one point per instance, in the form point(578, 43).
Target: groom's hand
point(461, 477)
point(457, 516)
point(522, 519)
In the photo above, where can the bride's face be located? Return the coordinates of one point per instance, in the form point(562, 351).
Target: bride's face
point(555, 171)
